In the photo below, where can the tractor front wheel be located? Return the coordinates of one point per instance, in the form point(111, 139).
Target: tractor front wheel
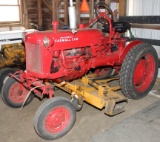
point(14, 94)
point(4, 72)
point(139, 71)
point(54, 118)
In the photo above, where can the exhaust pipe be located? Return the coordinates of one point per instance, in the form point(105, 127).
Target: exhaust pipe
point(72, 16)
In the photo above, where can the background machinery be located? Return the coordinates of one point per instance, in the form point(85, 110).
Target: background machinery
point(12, 53)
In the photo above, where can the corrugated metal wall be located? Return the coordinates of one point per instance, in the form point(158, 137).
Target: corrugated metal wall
point(145, 8)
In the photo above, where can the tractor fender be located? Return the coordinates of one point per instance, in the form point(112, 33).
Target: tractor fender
point(128, 48)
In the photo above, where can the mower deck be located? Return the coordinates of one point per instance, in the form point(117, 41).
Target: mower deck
point(98, 93)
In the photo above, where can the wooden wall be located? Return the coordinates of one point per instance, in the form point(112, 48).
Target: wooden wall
point(41, 13)
point(36, 14)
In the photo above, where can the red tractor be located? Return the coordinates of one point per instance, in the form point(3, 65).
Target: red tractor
point(62, 56)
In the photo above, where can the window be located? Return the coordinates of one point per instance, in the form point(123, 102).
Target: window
point(9, 11)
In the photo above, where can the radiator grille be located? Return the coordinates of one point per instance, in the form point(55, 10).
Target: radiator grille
point(33, 58)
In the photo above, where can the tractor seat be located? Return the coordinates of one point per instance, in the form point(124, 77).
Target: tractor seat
point(120, 27)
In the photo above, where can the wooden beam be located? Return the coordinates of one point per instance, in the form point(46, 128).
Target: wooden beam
point(78, 11)
point(146, 26)
point(66, 12)
point(26, 23)
point(53, 10)
point(57, 3)
point(91, 4)
point(122, 7)
point(49, 6)
point(108, 2)
point(10, 25)
point(21, 12)
point(39, 13)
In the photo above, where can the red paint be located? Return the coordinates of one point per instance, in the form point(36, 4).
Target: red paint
point(144, 73)
point(71, 55)
point(57, 120)
point(128, 48)
point(17, 93)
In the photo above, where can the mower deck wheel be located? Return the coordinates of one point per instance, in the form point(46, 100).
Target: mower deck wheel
point(75, 102)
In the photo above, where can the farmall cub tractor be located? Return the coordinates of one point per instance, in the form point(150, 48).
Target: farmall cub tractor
point(81, 61)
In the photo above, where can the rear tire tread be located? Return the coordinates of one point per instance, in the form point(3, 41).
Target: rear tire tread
point(127, 68)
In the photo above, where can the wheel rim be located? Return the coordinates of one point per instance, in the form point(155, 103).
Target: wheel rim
point(17, 93)
point(5, 79)
point(57, 119)
point(144, 73)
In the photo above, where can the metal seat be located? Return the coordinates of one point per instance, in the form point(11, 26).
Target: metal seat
point(120, 27)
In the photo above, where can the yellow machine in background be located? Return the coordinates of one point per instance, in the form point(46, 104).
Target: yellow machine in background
point(12, 55)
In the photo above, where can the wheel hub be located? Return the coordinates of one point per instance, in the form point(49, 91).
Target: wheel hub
point(57, 119)
point(144, 73)
point(17, 95)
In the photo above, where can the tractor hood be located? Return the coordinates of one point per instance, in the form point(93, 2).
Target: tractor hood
point(64, 39)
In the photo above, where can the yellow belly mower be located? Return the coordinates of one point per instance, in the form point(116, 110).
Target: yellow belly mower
point(98, 93)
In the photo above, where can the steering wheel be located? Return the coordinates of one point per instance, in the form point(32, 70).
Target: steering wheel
point(101, 7)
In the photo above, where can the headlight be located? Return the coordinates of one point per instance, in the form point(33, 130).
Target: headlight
point(46, 41)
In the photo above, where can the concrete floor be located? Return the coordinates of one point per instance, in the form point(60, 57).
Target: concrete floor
point(143, 126)
point(16, 125)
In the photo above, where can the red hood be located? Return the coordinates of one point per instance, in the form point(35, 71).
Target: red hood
point(64, 39)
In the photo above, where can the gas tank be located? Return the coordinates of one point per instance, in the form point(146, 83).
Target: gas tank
point(65, 39)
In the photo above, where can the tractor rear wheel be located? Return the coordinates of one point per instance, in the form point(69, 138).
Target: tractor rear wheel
point(54, 118)
point(4, 72)
point(14, 95)
point(139, 71)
